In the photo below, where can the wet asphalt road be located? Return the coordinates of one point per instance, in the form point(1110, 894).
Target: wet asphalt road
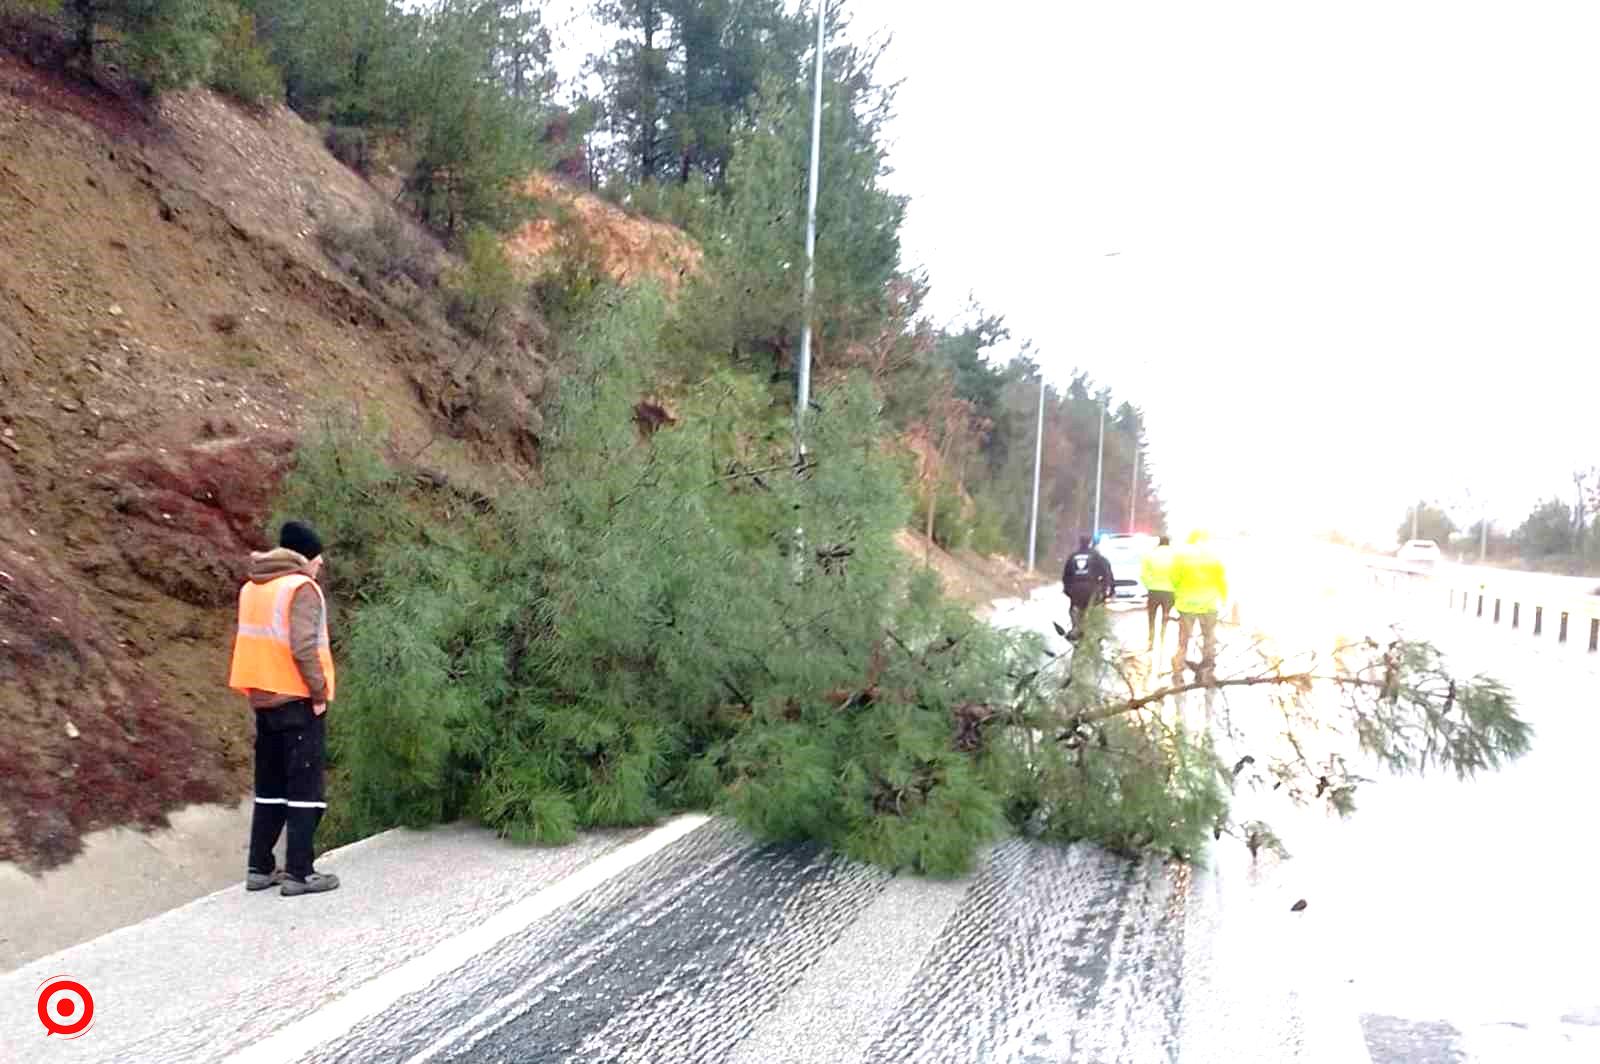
point(1459, 915)
point(690, 942)
point(698, 954)
point(1464, 911)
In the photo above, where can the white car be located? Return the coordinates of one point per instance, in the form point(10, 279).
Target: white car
point(1423, 552)
point(1125, 551)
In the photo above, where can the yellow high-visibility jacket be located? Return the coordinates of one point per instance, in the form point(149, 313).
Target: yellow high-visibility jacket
point(1199, 583)
point(1155, 572)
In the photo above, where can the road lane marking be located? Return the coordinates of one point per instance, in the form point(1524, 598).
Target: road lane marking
point(374, 996)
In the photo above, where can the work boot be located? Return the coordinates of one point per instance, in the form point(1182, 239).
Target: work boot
point(263, 880)
point(315, 883)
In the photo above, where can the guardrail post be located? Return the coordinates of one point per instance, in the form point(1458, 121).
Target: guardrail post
point(1594, 634)
point(1480, 604)
point(1452, 598)
point(1538, 620)
point(1516, 615)
point(1562, 638)
point(1465, 595)
point(1496, 611)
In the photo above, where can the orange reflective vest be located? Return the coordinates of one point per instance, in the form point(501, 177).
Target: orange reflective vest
point(263, 657)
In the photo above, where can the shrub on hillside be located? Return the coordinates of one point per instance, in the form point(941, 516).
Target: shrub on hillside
point(166, 44)
point(351, 145)
point(572, 277)
point(242, 68)
point(951, 529)
point(30, 7)
point(483, 288)
point(157, 44)
point(692, 206)
point(988, 534)
point(382, 250)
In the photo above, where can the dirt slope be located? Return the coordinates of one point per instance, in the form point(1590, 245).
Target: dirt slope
point(168, 327)
point(629, 248)
point(970, 577)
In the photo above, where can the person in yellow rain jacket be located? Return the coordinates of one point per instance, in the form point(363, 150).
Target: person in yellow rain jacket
point(1199, 587)
point(1155, 573)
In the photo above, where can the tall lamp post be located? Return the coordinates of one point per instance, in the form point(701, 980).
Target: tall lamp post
point(803, 386)
point(1099, 471)
point(1133, 492)
point(1038, 456)
point(803, 399)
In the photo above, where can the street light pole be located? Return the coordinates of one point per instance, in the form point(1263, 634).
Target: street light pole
point(1099, 472)
point(1038, 457)
point(803, 387)
point(803, 399)
point(1416, 514)
point(1133, 492)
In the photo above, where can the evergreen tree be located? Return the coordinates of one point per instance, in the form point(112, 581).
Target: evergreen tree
point(462, 83)
point(521, 46)
point(474, 140)
point(1430, 522)
point(724, 51)
point(637, 75)
point(1547, 530)
point(242, 68)
point(163, 43)
point(683, 76)
point(343, 61)
point(750, 302)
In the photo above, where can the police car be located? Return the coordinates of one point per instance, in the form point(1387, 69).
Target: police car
point(1125, 551)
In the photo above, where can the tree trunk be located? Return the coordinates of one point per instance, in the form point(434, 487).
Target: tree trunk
point(650, 98)
point(87, 16)
point(1579, 523)
point(946, 451)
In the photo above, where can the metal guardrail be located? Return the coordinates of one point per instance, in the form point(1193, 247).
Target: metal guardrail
point(1573, 617)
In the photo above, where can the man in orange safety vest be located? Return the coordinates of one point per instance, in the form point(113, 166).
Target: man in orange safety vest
point(282, 663)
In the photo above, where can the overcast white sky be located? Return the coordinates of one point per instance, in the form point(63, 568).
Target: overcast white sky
point(1359, 241)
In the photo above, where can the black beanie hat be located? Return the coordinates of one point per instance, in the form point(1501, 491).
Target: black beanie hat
point(299, 538)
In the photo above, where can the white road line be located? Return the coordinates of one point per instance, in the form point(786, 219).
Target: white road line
point(374, 996)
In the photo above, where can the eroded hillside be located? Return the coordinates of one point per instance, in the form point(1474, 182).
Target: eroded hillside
point(170, 326)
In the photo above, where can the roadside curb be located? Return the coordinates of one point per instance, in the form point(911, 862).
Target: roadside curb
point(198, 857)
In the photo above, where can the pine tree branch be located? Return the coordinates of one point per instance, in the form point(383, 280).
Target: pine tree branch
point(743, 699)
point(901, 644)
point(756, 472)
point(1295, 679)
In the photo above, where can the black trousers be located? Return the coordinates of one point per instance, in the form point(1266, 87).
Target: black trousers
point(1080, 598)
point(289, 756)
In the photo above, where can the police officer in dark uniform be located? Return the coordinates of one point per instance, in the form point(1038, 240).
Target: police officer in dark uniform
point(1086, 581)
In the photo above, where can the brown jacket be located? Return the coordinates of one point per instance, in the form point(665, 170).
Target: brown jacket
point(305, 622)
